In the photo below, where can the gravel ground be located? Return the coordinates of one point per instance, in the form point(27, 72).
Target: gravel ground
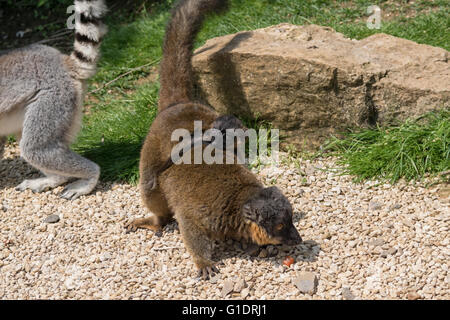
point(361, 241)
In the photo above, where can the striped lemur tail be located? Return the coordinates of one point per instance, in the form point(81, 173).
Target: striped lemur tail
point(89, 31)
point(176, 75)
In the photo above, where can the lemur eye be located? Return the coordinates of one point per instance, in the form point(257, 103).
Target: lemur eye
point(278, 227)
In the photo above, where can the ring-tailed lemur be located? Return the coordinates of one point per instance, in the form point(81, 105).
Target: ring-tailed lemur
point(41, 97)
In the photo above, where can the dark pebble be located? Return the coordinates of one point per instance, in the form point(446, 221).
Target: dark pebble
point(52, 219)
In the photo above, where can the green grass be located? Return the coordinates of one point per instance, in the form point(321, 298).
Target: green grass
point(410, 150)
point(113, 137)
point(123, 111)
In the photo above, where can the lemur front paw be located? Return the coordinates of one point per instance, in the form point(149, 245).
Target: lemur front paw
point(77, 189)
point(208, 272)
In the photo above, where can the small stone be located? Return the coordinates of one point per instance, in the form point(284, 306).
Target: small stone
point(347, 294)
point(326, 235)
point(244, 293)
point(412, 295)
point(408, 223)
point(228, 286)
point(159, 285)
point(273, 251)
point(377, 242)
point(352, 244)
point(69, 284)
point(27, 267)
point(374, 205)
point(309, 170)
point(105, 256)
point(52, 219)
point(395, 207)
point(263, 253)
point(239, 285)
point(336, 190)
point(306, 282)
point(214, 279)
point(392, 251)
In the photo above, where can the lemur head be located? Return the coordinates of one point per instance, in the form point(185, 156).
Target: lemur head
point(271, 211)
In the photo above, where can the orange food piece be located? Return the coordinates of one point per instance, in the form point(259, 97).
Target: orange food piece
point(288, 261)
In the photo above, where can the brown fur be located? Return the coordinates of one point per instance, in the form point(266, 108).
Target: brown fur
point(208, 201)
point(176, 74)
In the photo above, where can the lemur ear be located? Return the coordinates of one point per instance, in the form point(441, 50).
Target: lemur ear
point(272, 191)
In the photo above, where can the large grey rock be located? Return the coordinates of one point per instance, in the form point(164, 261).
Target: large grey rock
point(311, 81)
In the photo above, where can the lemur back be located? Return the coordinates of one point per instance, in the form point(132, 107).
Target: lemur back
point(41, 97)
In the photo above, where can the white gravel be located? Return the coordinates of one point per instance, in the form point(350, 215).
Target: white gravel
point(362, 241)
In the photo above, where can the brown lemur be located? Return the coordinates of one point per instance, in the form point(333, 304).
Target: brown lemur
point(41, 98)
point(209, 201)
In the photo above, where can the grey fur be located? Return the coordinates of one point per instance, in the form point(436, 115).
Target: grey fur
point(41, 98)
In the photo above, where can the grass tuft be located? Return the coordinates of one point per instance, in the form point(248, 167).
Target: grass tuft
point(410, 150)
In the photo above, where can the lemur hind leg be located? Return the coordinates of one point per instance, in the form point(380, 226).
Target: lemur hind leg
point(45, 146)
point(157, 204)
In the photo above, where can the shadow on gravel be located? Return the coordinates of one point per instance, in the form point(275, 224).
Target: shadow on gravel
point(307, 251)
point(13, 171)
point(298, 216)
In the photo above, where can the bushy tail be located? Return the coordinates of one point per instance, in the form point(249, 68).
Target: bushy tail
point(89, 31)
point(176, 74)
